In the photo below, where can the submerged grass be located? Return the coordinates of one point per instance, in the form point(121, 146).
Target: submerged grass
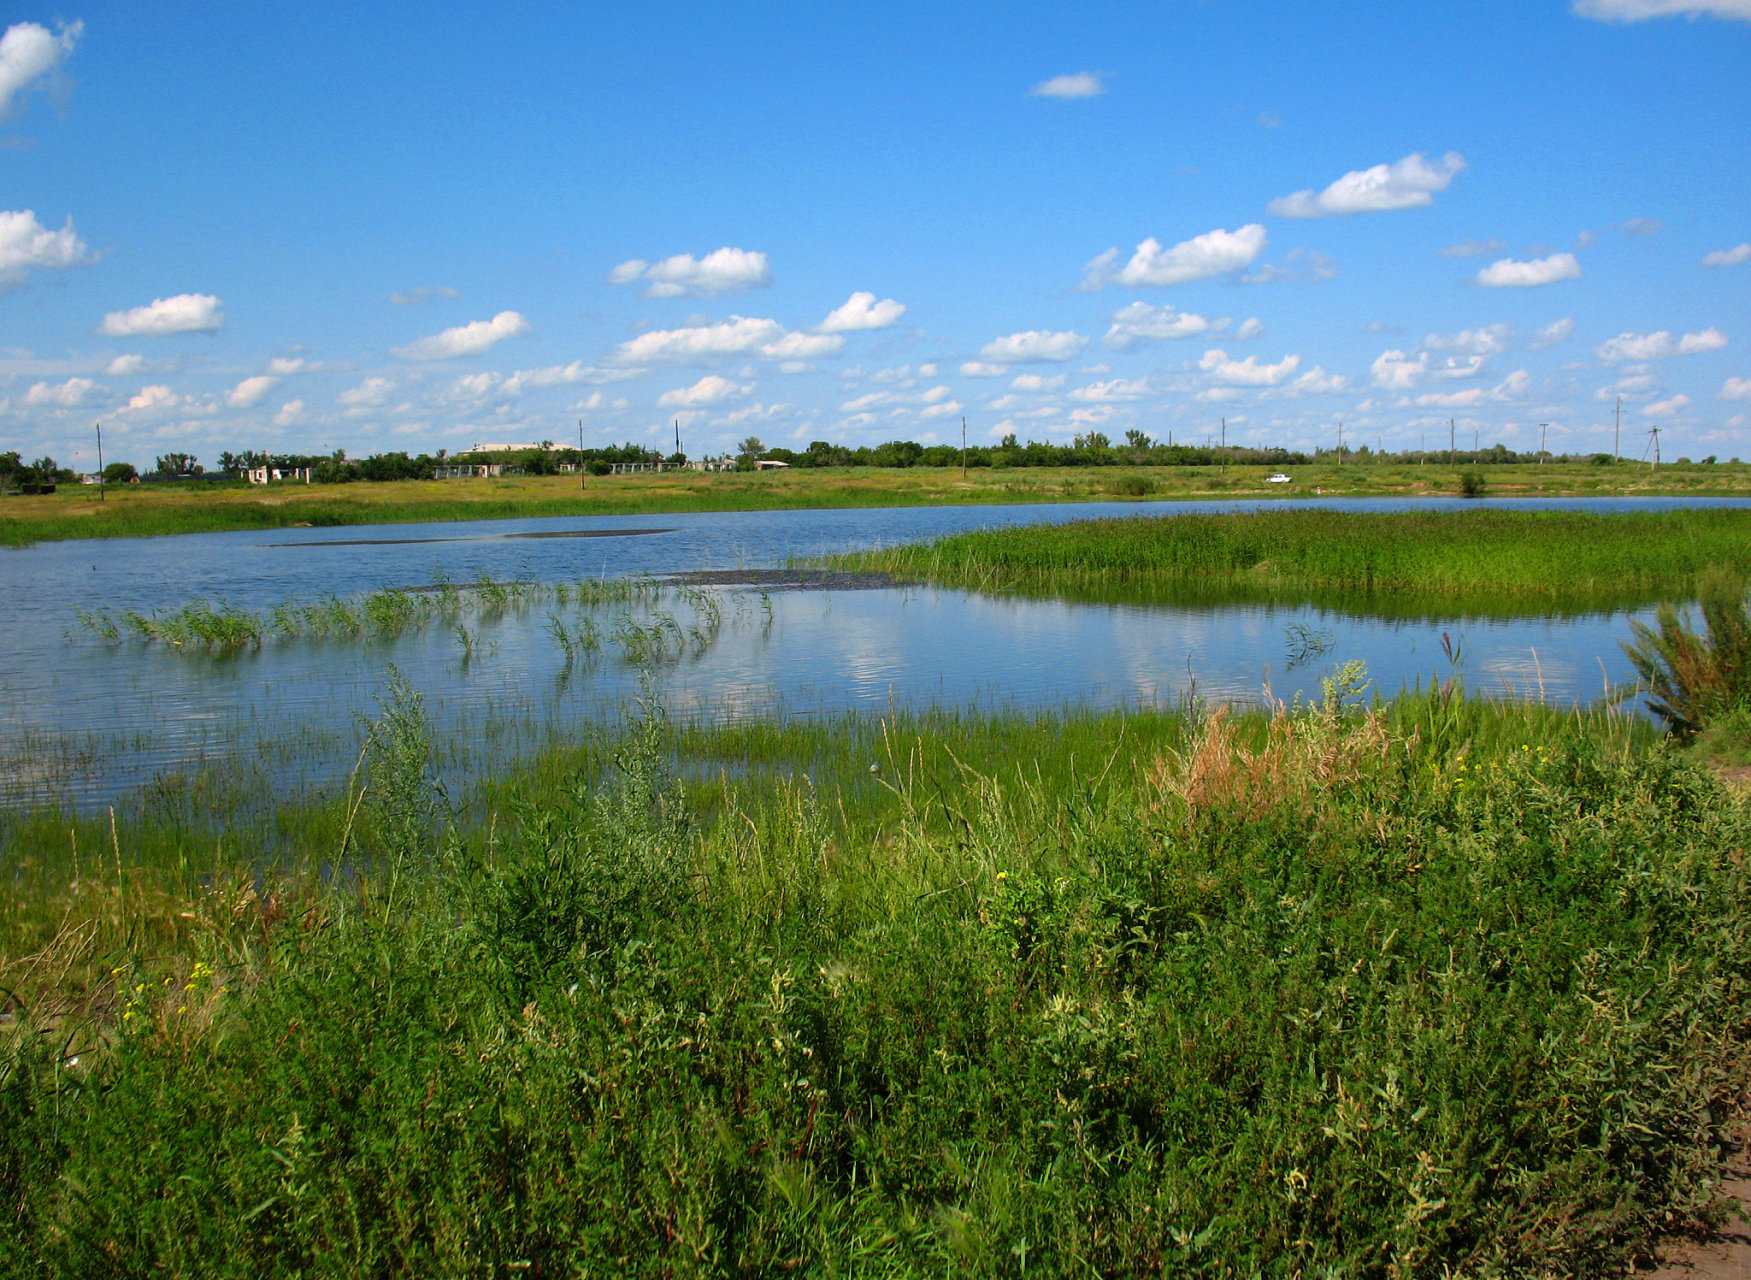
point(1475, 562)
point(1418, 988)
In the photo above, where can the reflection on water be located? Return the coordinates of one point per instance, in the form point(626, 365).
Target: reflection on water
point(88, 720)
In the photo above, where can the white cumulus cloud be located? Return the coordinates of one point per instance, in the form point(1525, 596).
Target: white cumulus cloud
point(1487, 341)
point(1642, 10)
point(1736, 389)
point(943, 409)
point(67, 395)
point(289, 413)
point(28, 53)
point(737, 335)
point(1035, 344)
point(26, 243)
point(1666, 408)
point(1728, 257)
point(1112, 390)
point(710, 389)
point(1252, 327)
point(1550, 334)
point(1036, 382)
point(1398, 372)
point(1082, 84)
point(370, 393)
point(150, 398)
point(250, 392)
point(125, 366)
point(1408, 184)
point(1512, 273)
point(724, 270)
point(472, 339)
point(183, 313)
point(1140, 323)
point(1248, 372)
point(1199, 258)
point(862, 311)
point(802, 346)
point(983, 369)
point(1657, 346)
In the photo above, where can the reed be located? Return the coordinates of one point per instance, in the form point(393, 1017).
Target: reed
point(1478, 561)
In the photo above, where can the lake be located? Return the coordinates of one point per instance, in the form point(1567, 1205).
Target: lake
point(84, 720)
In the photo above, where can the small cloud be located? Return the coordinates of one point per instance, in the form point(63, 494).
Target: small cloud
point(289, 413)
point(1642, 10)
point(1201, 257)
point(724, 270)
point(1035, 344)
point(153, 398)
point(125, 366)
point(1037, 382)
point(1084, 84)
point(184, 313)
point(1398, 372)
point(802, 346)
point(1248, 372)
point(30, 53)
point(472, 339)
point(1735, 389)
point(1511, 273)
point(1250, 328)
point(1554, 332)
point(1380, 326)
point(67, 395)
point(1728, 257)
point(1470, 248)
point(250, 392)
point(1408, 184)
point(1641, 227)
point(1666, 408)
point(421, 294)
point(370, 394)
point(1657, 346)
point(1487, 341)
point(982, 369)
point(1270, 120)
point(862, 311)
point(709, 390)
point(1140, 323)
point(25, 243)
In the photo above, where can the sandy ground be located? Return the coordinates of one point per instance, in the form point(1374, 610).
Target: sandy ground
point(1725, 1255)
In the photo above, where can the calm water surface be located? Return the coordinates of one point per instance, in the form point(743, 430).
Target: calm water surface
point(85, 721)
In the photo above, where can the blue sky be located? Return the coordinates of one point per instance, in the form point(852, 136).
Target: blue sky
point(245, 228)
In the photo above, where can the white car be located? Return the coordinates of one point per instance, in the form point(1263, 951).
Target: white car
point(1279, 478)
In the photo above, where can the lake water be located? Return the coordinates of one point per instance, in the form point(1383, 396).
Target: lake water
point(84, 721)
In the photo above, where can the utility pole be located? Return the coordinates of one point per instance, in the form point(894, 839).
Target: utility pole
point(1340, 444)
point(1542, 428)
point(1225, 446)
point(100, 497)
point(1422, 448)
point(1617, 431)
point(1654, 439)
point(1450, 429)
point(677, 435)
point(963, 447)
point(581, 472)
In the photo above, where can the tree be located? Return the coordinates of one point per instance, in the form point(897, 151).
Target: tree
point(750, 449)
point(1136, 439)
point(175, 464)
point(119, 472)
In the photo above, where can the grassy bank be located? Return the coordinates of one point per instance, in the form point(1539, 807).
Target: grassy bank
point(1428, 988)
point(150, 510)
point(1462, 561)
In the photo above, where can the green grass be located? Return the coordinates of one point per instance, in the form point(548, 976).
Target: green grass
point(159, 509)
point(1421, 988)
point(1484, 561)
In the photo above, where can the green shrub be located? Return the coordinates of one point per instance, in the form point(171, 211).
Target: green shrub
point(1472, 483)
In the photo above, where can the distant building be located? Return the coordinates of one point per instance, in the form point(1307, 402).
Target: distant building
point(263, 475)
point(771, 464)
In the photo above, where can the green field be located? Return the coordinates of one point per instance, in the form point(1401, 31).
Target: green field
point(157, 509)
point(1429, 987)
point(1478, 561)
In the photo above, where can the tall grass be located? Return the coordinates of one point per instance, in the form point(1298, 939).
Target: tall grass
point(1468, 561)
point(1416, 988)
